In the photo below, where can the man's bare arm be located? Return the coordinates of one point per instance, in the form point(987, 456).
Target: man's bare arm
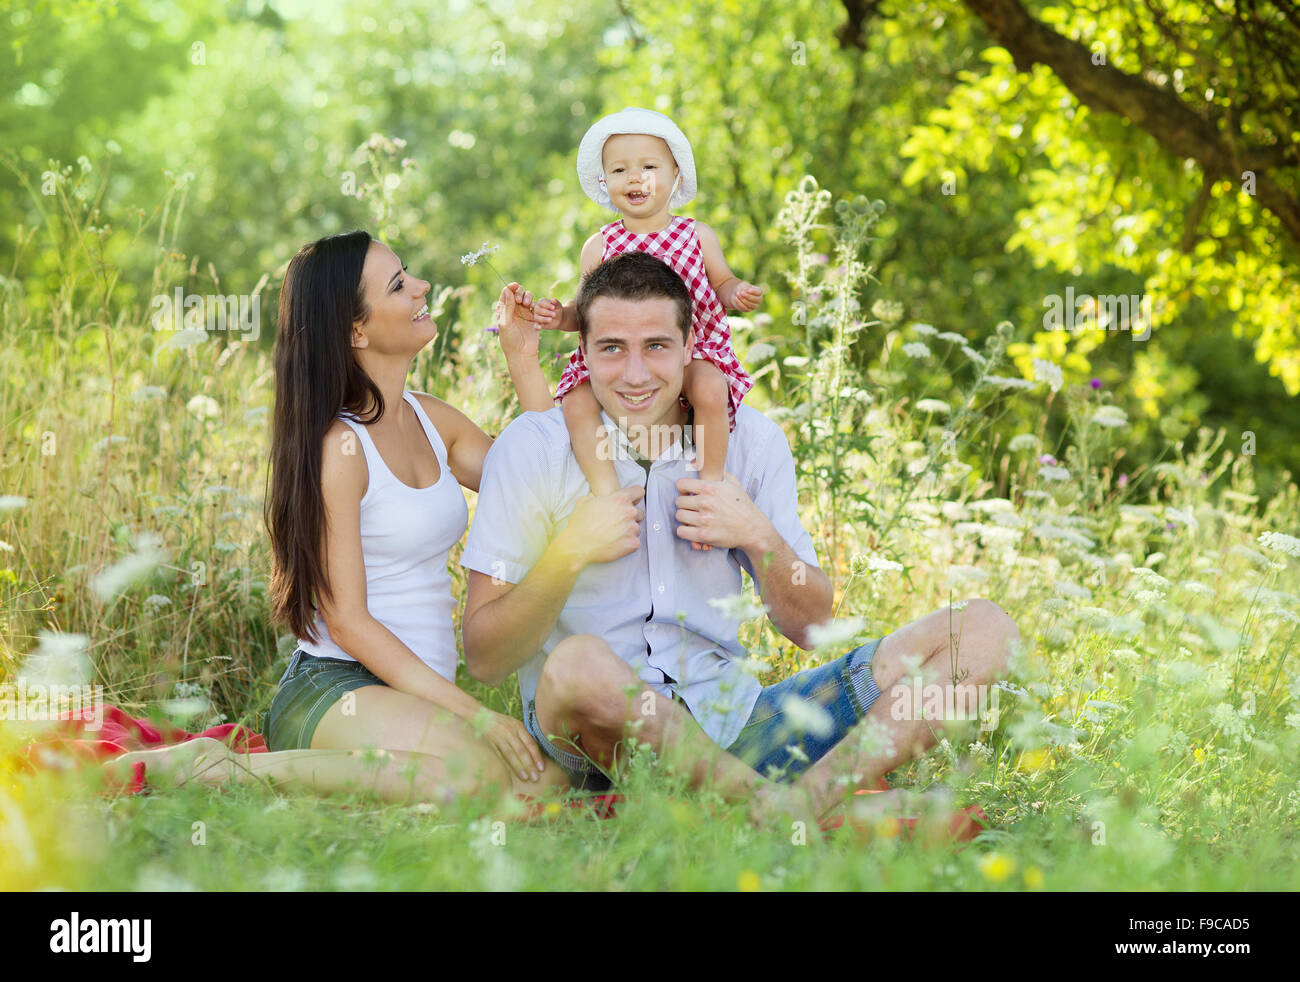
point(506, 624)
point(721, 514)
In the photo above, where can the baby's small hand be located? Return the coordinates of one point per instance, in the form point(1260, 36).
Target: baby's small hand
point(746, 296)
point(547, 313)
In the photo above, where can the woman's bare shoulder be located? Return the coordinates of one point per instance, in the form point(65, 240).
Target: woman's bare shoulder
point(344, 474)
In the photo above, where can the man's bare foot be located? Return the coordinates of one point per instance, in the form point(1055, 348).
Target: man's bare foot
point(787, 808)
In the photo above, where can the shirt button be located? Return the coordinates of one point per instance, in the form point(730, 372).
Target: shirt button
point(661, 588)
point(657, 526)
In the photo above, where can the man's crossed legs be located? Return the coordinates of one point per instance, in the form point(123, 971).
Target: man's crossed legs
point(582, 700)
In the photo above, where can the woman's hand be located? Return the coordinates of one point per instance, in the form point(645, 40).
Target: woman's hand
point(517, 325)
point(512, 742)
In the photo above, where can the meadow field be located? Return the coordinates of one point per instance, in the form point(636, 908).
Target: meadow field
point(1146, 738)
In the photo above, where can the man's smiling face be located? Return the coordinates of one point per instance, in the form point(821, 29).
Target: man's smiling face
point(636, 354)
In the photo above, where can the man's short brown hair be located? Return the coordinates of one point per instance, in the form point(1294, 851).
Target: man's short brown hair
point(633, 276)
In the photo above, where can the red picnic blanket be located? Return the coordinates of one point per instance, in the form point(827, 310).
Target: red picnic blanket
point(74, 742)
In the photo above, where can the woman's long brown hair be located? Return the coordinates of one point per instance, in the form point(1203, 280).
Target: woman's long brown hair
point(316, 377)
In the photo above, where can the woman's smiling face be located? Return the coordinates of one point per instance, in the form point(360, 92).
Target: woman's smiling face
point(398, 321)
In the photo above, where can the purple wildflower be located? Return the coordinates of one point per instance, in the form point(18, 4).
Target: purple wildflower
point(1048, 459)
point(1095, 383)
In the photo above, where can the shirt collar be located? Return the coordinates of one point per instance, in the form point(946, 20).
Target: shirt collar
point(677, 451)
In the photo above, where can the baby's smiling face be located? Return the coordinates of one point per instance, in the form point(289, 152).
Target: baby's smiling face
point(640, 173)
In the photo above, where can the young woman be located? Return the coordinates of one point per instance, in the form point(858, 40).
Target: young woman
point(364, 504)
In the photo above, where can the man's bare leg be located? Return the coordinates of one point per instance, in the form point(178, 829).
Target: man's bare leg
point(976, 641)
point(583, 696)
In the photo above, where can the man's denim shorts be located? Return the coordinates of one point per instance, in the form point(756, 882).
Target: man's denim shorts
point(307, 690)
point(770, 742)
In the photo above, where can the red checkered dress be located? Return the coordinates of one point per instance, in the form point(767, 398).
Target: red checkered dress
point(679, 246)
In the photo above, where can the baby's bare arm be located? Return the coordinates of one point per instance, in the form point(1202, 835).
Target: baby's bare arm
point(590, 442)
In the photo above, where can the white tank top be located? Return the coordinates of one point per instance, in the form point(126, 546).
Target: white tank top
point(406, 535)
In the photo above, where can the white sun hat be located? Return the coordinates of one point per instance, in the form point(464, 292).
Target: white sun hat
point(634, 120)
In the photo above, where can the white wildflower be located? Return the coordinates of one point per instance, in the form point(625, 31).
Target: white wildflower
point(119, 577)
point(58, 659)
point(960, 574)
point(1049, 372)
point(1047, 531)
point(739, 607)
point(915, 349)
point(982, 751)
point(148, 392)
point(470, 258)
point(1000, 382)
point(835, 632)
point(872, 563)
point(156, 600)
point(12, 502)
point(1233, 723)
point(1050, 472)
point(933, 406)
point(973, 355)
point(1023, 441)
point(1281, 542)
point(952, 336)
point(1111, 416)
point(203, 407)
point(1135, 514)
point(183, 340)
point(805, 716)
point(1151, 578)
point(925, 330)
point(1068, 588)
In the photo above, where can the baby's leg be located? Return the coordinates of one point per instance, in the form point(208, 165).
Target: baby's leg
point(709, 394)
point(588, 436)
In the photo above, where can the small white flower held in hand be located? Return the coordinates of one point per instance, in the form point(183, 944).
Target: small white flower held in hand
point(470, 258)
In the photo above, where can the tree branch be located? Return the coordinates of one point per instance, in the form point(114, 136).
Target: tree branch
point(1106, 89)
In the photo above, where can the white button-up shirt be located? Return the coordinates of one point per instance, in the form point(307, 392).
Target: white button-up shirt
point(651, 606)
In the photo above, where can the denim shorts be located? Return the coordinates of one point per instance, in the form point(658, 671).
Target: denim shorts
point(772, 742)
point(307, 690)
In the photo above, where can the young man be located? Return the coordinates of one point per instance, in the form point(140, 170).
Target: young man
point(604, 608)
